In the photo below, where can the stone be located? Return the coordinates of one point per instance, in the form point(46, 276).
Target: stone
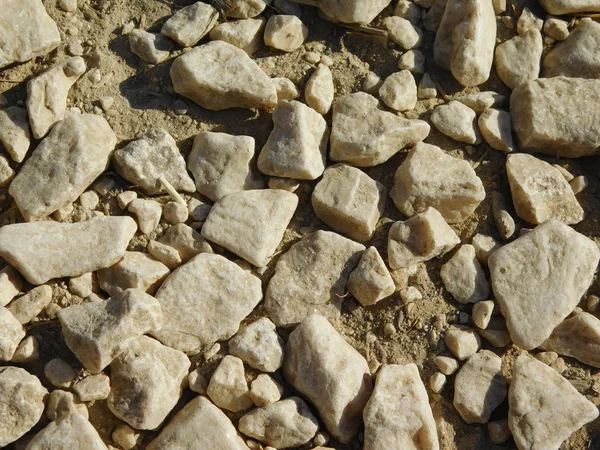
point(480, 101)
point(147, 214)
point(12, 333)
point(364, 134)
point(371, 83)
point(228, 388)
point(190, 24)
point(68, 431)
point(11, 284)
point(499, 6)
point(324, 368)
point(371, 281)
point(403, 32)
point(457, 121)
point(560, 7)
point(319, 90)
point(437, 381)
point(409, 11)
point(6, 172)
point(64, 164)
point(446, 364)
point(462, 341)
point(244, 34)
point(258, 345)
point(518, 59)
point(28, 351)
point(413, 61)
point(540, 192)
point(63, 403)
point(175, 212)
point(15, 135)
point(349, 201)
point(99, 331)
point(243, 9)
point(479, 387)
point(198, 381)
point(579, 184)
point(204, 301)
point(353, 11)
point(198, 209)
point(528, 21)
point(557, 29)
point(28, 306)
point(398, 414)
point(288, 7)
point(59, 373)
point(232, 80)
point(27, 32)
point(183, 430)
point(285, 32)
point(410, 295)
point(495, 126)
point(83, 285)
point(435, 14)
point(499, 431)
point(47, 94)
point(535, 298)
point(544, 408)
point(167, 255)
point(482, 313)
point(92, 388)
point(464, 278)
point(311, 276)
point(285, 184)
point(465, 40)
point(573, 133)
point(495, 332)
point(125, 437)
point(136, 270)
point(426, 88)
point(147, 380)
point(284, 424)
point(399, 91)
point(484, 246)
point(125, 198)
point(504, 221)
point(89, 200)
point(264, 390)
point(153, 48)
point(186, 241)
point(286, 89)
point(429, 177)
point(251, 223)
point(222, 164)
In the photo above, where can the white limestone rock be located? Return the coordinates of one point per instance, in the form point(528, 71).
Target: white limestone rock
point(464, 278)
point(319, 90)
point(147, 214)
point(264, 390)
point(228, 388)
point(28, 351)
point(136, 270)
point(68, 431)
point(462, 341)
point(84, 285)
point(167, 255)
point(245, 34)
point(427, 88)
point(15, 134)
point(59, 373)
point(413, 61)
point(6, 172)
point(190, 24)
point(495, 126)
point(175, 212)
point(243, 9)
point(403, 32)
point(353, 11)
point(560, 7)
point(125, 437)
point(480, 101)
point(446, 364)
point(371, 280)
point(92, 388)
point(11, 284)
point(484, 245)
point(286, 89)
point(12, 333)
point(153, 48)
point(28, 306)
point(62, 403)
point(482, 313)
point(186, 241)
point(399, 91)
point(556, 28)
point(258, 345)
point(409, 11)
point(457, 121)
point(285, 32)
point(518, 59)
point(125, 198)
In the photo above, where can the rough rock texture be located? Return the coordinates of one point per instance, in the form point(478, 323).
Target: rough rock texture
point(11, 284)
point(353, 11)
point(147, 214)
point(190, 24)
point(495, 126)
point(15, 135)
point(12, 333)
point(186, 241)
point(457, 121)
point(285, 32)
point(72, 431)
point(59, 373)
point(464, 278)
point(243, 9)
point(399, 91)
point(462, 341)
point(245, 34)
point(153, 48)
point(93, 387)
point(403, 32)
point(64, 403)
point(540, 278)
point(31, 304)
point(559, 7)
point(228, 388)
point(371, 280)
point(319, 90)
point(518, 59)
point(258, 345)
point(310, 277)
point(322, 366)
point(264, 390)
point(136, 270)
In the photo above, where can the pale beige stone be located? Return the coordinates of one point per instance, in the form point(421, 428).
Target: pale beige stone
point(245, 34)
point(464, 278)
point(319, 90)
point(353, 11)
point(437, 381)
point(285, 32)
point(59, 373)
point(480, 101)
point(190, 24)
point(496, 128)
point(403, 32)
point(408, 10)
point(560, 7)
point(147, 214)
point(399, 91)
point(264, 390)
point(28, 351)
point(167, 255)
point(6, 172)
point(484, 245)
point(11, 284)
point(556, 28)
point(15, 134)
point(228, 388)
point(126, 437)
point(499, 431)
point(243, 9)
point(175, 212)
point(153, 48)
point(458, 121)
point(286, 89)
point(258, 345)
point(12, 333)
point(462, 341)
point(518, 60)
point(125, 198)
point(186, 241)
point(92, 388)
point(68, 431)
point(427, 88)
point(28, 306)
point(61, 403)
point(371, 281)
point(482, 313)
point(504, 221)
point(446, 364)
point(413, 61)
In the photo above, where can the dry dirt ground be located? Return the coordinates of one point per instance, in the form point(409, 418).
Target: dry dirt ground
point(144, 98)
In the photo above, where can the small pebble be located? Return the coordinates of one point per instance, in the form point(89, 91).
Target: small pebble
point(312, 57)
point(437, 382)
point(389, 329)
point(578, 184)
point(482, 313)
point(59, 373)
point(410, 294)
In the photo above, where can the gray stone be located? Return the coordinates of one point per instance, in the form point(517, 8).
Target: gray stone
point(68, 431)
point(190, 24)
point(245, 34)
point(258, 345)
point(12, 333)
point(59, 373)
point(28, 306)
point(14, 132)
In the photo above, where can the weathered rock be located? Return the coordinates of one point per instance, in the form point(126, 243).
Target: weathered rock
point(14, 132)
point(399, 91)
point(190, 24)
point(446, 364)
point(245, 34)
point(12, 333)
point(353, 11)
point(28, 306)
point(484, 245)
point(398, 415)
point(322, 366)
point(59, 373)
point(243, 9)
point(462, 341)
point(409, 11)
point(175, 212)
point(147, 214)
point(464, 278)
point(84, 285)
point(228, 388)
point(403, 32)
point(286, 89)
point(45, 250)
point(556, 28)
point(457, 121)
point(437, 381)
point(28, 351)
point(258, 345)
point(264, 390)
point(496, 128)
point(319, 90)
point(92, 388)
point(371, 281)
point(504, 221)
point(534, 298)
point(65, 163)
point(480, 101)
point(285, 32)
point(499, 431)
point(310, 277)
point(64, 403)
point(186, 241)
point(560, 7)
point(230, 80)
point(125, 437)
point(153, 48)
point(11, 284)
point(518, 59)
point(413, 61)
point(364, 135)
point(496, 332)
point(482, 313)
point(435, 14)
point(6, 172)
point(68, 431)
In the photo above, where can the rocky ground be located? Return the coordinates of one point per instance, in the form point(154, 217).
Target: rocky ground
point(370, 225)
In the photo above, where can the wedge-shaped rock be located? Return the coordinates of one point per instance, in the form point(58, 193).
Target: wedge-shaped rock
point(297, 146)
point(430, 177)
point(11, 284)
point(464, 278)
point(26, 31)
point(204, 301)
point(42, 251)
point(322, 366)
point(220, 76)
point(259, 346)
point(364, 134)
point(544, 408)
point(320, 90)
point(14, 132)
point(540, 191)
point(98, 331)
point(480, 101)
point(183, 432)
point(518, 59)
point(398, 414)
point(458, 121)
point(228, 388)
point(371, 280)
point(539, 279)
point(245, 34)
point(349, 201)
point(28, 306)
point(310, 277)
point(146, 381)
point(495, 126)
point(251, 223)
point(66, 162)
point(560, 7)
point(153, 155)
point(190, 24)
point(353, 11)
point(558, 116)
point(68, 431)
point(12, 334)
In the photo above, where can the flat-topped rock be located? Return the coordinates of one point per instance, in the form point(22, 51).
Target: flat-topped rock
point(28, 306)
point(495, 126)
point(15, 135)
point(190, 24)
point(228, 388)
point(136, 270)
point(285, 32)
point(457, 121)
point(245, 34)
point(68, 431)
point(353, 11)
point(560, 7)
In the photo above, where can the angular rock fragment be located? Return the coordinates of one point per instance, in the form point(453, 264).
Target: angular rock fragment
point(457, 121)
point(186, 241)
point(560, 7)
point(12, 333)
point(480, 101)
point(243, 9)
point(264, 390)
point(92, 388)
point(245, 34)
point(464, 278)
point(435, 14)
point(413, 61)
point(11, 284)
point(484, 246)
point(496, 128)
point(371, 281)
point(14, 132)
point(153, 48)
point(68, 431)
point(556, 28)
point(228, 388)
point(28, 351)
point(399, 91)
point(403, 32)
point(446, 364)
point(286, 89)
point(462, 341)
point(59, 373)
point(319, 90)
point(259, 346)
point(61, 403)
point(518, 59)
point(190, 24)
point(409, 10)
point(495, 332)
point(482, 313)
point(6, 172)
point(147, 214)
point(285, 32)
point(353, 11)
point(28, 306)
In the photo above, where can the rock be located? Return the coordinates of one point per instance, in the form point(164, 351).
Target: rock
point(6, 172)
point(14, 132)
point(245, 34)
point(251, 223)
point(228, 388)
point(68, 431)
point(495, 332)
point(125, 437)
point(399, 91)
point(496, 128)
point(150, 47)
point(426, 88)
point(319, 90)
point(204, 301)
point(28, 351)
point(175, 212)
point(540, 192)
point(504, 221)
point(544, 408)
point(288, 7)
point(64, 403)
point(284, 424)
point(285, 32)
point(403, 32)
point(11, 284)
point(28, 306)
point(231, 80)
point(534, 298)
point(183, 430)
point(147, 214)
point(349, 201)
point(258, 345)
point(464, 278)
point(12, 333)
point(311, 276)
point(446, 364)
point(186, 241)
point(365, 135)
point(482, 313)
point(457, 121)
point(353, 11)
point(27, 32)
point(198, 380)
point(431, 177)
point(518, 59)
point(59, 373)
point(420, 238)
point(410, 294)
point(499, 431)
point(413, 61)
point(437, 381)
point(465, 41)
point(556, 28)
point(398, 414)
point(47, 94)
point(125, 198)
point(92, 388)
point(264, 390)
point(152, 155)
point(190, 24)
point(136, 270)
point(371, 281)
point(98, 331)
point(286, 89)
point(89, 200)
point(167, 255)
point(243, 9)
point(409, 11)
point(435, 14)
point(462, 341)
point(65, 163)
point(147, 380)
point(484, 246)
point(198, 210)
point(285, 184)
point(371, 83)
point(480, 101)
point(330, 373)
point(560, 7)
